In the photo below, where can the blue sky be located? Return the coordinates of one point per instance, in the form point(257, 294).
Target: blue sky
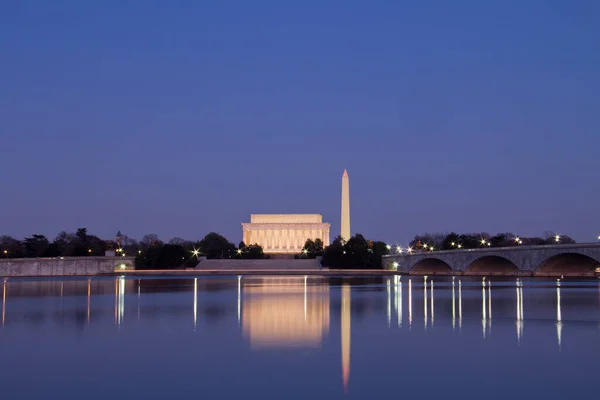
point(183, 117)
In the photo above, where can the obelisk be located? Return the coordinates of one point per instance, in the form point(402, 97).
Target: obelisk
point(345, 223)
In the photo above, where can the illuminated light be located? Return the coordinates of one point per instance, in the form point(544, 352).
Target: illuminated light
point(5, 251)
point(305, 251)
point(430, 248)
point(517, 239)
point(489, 244)
point(388, 247)
point(557, 238)
point(483, 241)
point(409, 250)
point(195, 252)
point(598, 237)
point(122, 266)
point(123, 254)
point(395, 265)
point(453, 244)
point(344, 252)
point(399, 249)
point(459, 246)
point(89, 250)
point(139, 252)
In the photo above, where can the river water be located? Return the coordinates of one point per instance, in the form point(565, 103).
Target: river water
point(299, 338)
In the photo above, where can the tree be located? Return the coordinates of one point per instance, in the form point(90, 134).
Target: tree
point(334, 255)
point(65, 243)
point(10, 247)
point(214, 245)
point(150, 240)
point(312, 248)
point(36, 246)
point(451, 241)
point(378, 250)
point(253, 251)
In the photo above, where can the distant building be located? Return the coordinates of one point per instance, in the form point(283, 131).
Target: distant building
point(284, 233)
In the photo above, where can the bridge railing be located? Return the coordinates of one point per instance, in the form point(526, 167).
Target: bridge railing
point(496, 249)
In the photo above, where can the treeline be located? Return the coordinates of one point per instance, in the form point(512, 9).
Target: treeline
point(65, 244)
point(150, 252)
point(356, 253)
point(455, 241)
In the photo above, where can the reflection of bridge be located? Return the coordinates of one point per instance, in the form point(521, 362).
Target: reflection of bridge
point(551, 260)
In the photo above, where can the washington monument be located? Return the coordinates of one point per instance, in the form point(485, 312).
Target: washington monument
point(345, 225)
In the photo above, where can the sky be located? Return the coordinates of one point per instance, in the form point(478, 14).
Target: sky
point(184, 117)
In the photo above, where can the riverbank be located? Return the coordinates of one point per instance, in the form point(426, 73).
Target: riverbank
point(63, 266)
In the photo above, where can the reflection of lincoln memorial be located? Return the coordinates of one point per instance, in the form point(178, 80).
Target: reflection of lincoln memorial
point(285, 312)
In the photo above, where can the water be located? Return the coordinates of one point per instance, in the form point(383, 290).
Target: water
point(298, 338)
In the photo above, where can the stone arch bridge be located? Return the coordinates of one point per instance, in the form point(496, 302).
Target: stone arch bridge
point(549, 260)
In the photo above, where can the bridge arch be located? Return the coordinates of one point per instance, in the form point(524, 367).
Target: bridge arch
point(491, 265)
point(568, 264)
point(431, 266)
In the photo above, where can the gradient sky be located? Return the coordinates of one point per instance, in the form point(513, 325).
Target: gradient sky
point(183, 117)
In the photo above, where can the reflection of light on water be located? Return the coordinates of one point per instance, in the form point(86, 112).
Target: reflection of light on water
point(490, 305)
point(432, 310)
point(453, 306)
point(4, 301)
point(409, 303)
point(558, 316)
point(239, 298)
point(139, 292)
point(483, 307)
point(195, 301)
point(459, 305)
point(399, 299)
point(519, 311)
point(119, 299)
point(425, 301)
point(490, 301)
point(305, 278)
point(274, 310)
point(89, 299)
point(345, 319)
point(389, 303)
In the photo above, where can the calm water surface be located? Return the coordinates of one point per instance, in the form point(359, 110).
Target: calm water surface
point(299, 338)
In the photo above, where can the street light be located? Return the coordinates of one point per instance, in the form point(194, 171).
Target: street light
point(557, 238)
point(388, 247)
point(459, 246)
point(399, 249)
point(409, 250)
point(483, 242)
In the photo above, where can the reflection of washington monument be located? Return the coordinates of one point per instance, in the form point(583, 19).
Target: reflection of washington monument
point(345, 317)
point(285, 311)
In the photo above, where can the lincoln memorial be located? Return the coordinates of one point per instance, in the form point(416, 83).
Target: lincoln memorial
point(284, 233)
